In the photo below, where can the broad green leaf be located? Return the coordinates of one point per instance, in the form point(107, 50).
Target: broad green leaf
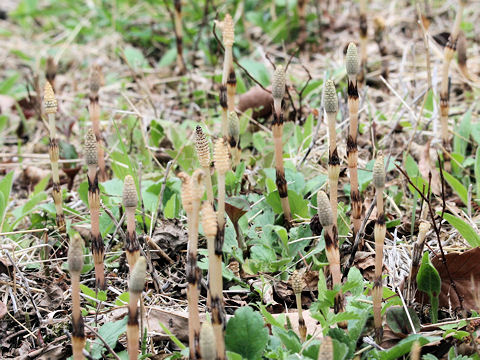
point(398, 321)
point(457, 187)
point(428, 279)
point(468, 233)
point(246, 334)
point(110, 332)
point(403, 347)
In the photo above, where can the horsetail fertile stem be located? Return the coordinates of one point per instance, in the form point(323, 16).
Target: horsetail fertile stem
point(207, 342)
point(331, 109)
point(229, 80)
point(416, 257)
point(302, 24)
point(192, 192)
point(75, 265)
point(234, 136)
point(51, 109)
point(325, 215)
point(135, 287)
point(278, 92)
point(179, 36)
point(94, 110)
point(203, 153)
point(130, 201)
point(363, 41)
point(209, 223)
point(221, 160)
point(379, 233)
point(352, 66)
point(297, 285)
point(98, 249)
point(448, 52)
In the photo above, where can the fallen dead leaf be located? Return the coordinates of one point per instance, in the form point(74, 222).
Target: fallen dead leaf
point(465, 271)
point(259, 100)
point(426, 166)
point(313, 327)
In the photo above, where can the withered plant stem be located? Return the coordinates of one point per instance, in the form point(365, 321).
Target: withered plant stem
point(53, 151)
point(448, 53)
point(177, 4)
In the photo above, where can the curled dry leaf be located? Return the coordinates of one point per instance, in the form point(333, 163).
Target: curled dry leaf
point(3, 309)
point(426, 165)
point(259, 100)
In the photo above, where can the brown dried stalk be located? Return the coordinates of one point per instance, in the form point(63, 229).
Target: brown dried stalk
point(278, 92)
point(177, 4)
point(75, 265)
point(130, 201)
point(192, 192)
point(331, 109)
point(416, 257)
point(379, 234)
point(462, 58)
point(448, 53)
point(135, 287)
point(51, 107)
point(325, 216)
point(302, 24)
point(51, 71)
point(94, 110)
point(229, 80)
point(363, 41)
point(209, 223)
point(379, 31)
point(352, 66)
point(297, 285)
point(203, 153)
point(98, 248)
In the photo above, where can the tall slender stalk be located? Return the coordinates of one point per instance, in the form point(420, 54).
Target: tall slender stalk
point(302, 24)
point(130, 201)
point(192, 192)
point(229, 80)
point(379, 31)
point(51, 109)
point(75, 265)
point(209, 223)
point(363, 41)
point(98, 248)
point(94, 111)
point(203, 153)
point(179, 36)
point(325, 215)
point(297, 285)
point(221, 159)
point(331, 109)
point(278, 92)
point(448, 53)
point(379, 234)
point(135, 287)
point(352, 66)
point(234, 136)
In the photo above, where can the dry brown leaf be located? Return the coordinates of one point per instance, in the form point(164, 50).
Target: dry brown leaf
point(259, 100)
point(426, 166)
point(313, 327)
point(464, 268)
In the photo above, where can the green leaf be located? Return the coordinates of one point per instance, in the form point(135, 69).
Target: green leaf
point(468, 233)
point(5, 188)
point(246, 334)
point(460, 140)
point(477, 171)
point(398, 321)
point(457, 187)
point(403, 347)
point(110, 332)
point(172, 337)
point(429, 281)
